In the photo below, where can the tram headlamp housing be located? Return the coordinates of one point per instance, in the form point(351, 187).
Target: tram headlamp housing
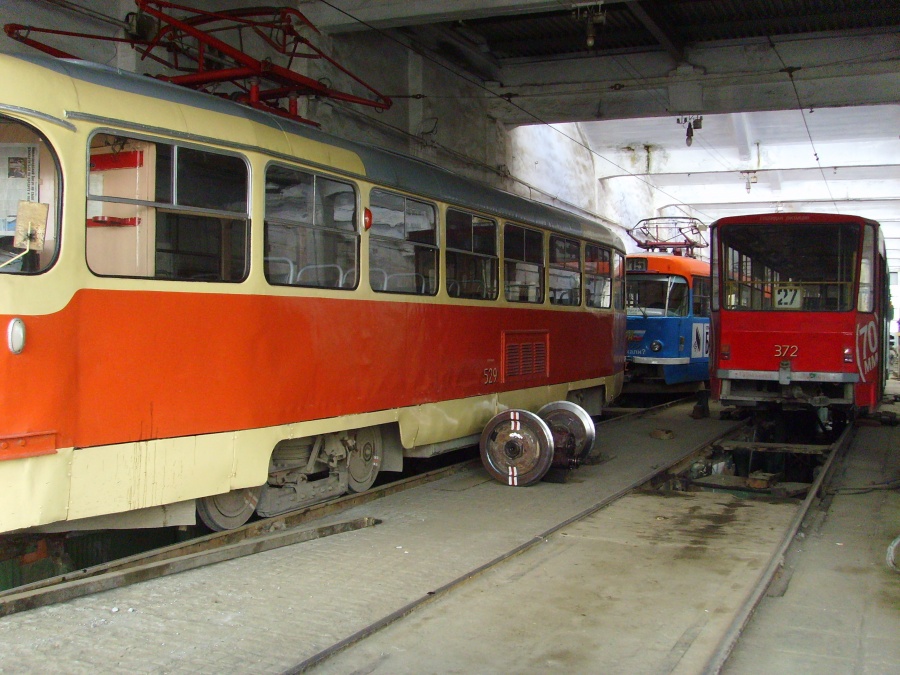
point(848, 355)
point(15, 335)
point(656, 346)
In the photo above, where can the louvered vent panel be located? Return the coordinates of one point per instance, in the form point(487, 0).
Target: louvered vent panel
point(540, 358)
point(513, 360)
point(526, 355)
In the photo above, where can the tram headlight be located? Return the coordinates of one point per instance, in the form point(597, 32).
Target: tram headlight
point(656, 346)
point(848, 355)
point(15, 335)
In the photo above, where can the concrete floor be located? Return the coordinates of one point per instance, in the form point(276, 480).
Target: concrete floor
point(837, 609)
point(644, 585)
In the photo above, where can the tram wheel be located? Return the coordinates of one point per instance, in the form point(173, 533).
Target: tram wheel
point(230, 510)
point(364, 460)
point(571, 427)
point(517, 447)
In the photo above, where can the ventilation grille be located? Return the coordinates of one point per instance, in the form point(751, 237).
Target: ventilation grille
point(526, 355)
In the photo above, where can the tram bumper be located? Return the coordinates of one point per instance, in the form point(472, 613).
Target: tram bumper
point(750, 388)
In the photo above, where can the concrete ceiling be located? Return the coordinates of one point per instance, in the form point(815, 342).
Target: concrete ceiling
point(800, 99)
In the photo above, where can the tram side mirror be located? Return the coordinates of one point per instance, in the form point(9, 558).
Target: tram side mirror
point(31, 226)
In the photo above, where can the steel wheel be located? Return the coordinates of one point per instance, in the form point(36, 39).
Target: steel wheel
point(364, 460)
point(517, 448)
point(230, 510)
point(573, 431)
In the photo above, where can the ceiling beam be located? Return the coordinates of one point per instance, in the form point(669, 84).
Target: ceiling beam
point(647, 13)
point(637, 85)
point(448, 43)
point(355, 15)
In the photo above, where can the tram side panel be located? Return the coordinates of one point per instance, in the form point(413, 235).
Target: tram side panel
point(134, 387)
point(210, 363)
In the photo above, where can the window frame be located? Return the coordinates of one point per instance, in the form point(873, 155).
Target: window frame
point(610, 252)
point(491, 294)
point(567, 273)
point(541, 267)
point(347, 279)
point(426, 289)
point(224, 217)
point(54, 211)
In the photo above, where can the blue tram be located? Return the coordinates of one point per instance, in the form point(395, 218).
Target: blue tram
point(668, 310)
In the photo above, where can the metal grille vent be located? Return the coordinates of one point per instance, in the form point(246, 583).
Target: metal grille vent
point(526, 355)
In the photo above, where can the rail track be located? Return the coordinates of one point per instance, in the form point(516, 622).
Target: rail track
point(665, 475)
point(254, 537)
point(386, 617)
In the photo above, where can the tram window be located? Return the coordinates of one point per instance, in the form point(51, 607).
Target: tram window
point(866, 300)
point(701, 296)
point(597, 276)
point(714, 268)
point(800, 268)
point(403, 249)
point(311, 233)
point(657, 295)
point(565, 271)
point(196, 248)
point(211, 181)
point(139, 226)
point(472, 266)
point(523, 266)
point(31, 180)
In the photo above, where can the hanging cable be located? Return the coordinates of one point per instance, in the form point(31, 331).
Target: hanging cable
point(790, 73)
point(508, 100)
point(72, 7)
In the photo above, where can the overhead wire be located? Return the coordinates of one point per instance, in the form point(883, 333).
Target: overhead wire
point(507, 99)
point(790, 70)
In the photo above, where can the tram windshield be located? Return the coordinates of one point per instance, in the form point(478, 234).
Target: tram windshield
point(657, 295)
point(29, 181)
point(800, 267)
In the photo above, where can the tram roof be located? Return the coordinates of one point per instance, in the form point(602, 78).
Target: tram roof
point(382, 166)
point(669, 263)
point(791, 218)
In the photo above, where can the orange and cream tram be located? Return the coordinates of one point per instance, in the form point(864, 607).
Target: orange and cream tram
point(209, 307)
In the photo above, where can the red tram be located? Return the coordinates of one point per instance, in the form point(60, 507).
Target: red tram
point(207, 306)
point(800, 313)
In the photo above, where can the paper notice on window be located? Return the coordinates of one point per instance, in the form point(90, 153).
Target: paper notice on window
point(19, 182)
point(31, 225)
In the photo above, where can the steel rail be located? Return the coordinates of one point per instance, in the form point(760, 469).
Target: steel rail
point(245, 540)
point(420, 602)
point(732, 634)
point(11, 600)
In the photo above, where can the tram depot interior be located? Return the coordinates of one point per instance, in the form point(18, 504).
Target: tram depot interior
point(619, 110)
point(587, 105)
